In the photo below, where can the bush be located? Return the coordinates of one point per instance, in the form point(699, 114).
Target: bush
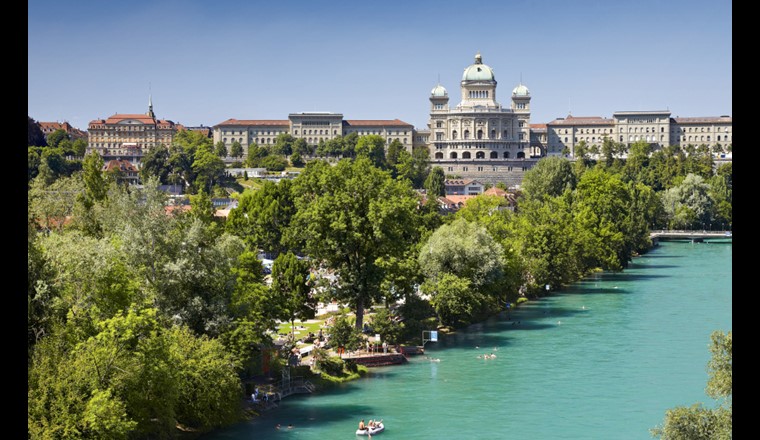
point(521, 300)
point(332, 366)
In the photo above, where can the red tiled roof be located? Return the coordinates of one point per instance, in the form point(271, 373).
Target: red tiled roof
point(582, 120)
point(459, 198)
point(375, 122)
point(703, 119)
point(145, 119)
point(494, 191)
point(277, 122)
point(538, 126)
point(121, 164)
point(459, 181)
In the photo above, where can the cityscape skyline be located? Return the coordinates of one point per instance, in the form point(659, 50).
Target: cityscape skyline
point(204, 63)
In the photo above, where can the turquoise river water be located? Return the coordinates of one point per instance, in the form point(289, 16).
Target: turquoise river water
point(603, 359)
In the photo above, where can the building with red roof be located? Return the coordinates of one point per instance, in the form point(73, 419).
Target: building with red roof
point(129, 136)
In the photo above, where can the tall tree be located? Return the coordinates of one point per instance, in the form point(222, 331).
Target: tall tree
point(689, 204)
point(263, 216)
point(551, 176)
point(394, 149)
point(156, 164)
point(56, 137)
point(236, 150)
point(220, 149)
point(208, 167)
point(434, 184)
point(349, 216)
point(283, 145)
point(372, 146)
point(291, 289)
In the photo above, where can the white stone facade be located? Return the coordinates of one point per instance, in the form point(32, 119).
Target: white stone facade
point(479, 127)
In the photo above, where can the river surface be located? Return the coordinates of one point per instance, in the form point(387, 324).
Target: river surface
point(603, 359)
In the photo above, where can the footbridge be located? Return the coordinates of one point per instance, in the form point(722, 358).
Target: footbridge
point(693, 236)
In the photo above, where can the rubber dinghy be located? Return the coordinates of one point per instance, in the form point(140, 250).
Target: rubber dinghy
point(377, 429)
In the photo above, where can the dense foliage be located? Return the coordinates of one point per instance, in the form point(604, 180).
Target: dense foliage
point(143, 320)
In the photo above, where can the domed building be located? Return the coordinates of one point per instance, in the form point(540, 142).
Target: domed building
point(479, 128)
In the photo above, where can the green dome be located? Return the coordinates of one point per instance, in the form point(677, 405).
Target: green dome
point(439, 90)
point(520, 90)
point(478, 71)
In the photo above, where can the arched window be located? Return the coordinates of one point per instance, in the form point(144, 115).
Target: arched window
point(454, 134)
point(718, 138)
point(480, 134)
point(480, 155)
point(453, 155)
point(467, 134)
point(505, 134)
point(521, 155)
point(494, 155)
point(466, 155)
point(493, 134)
point(506, 155)
point(439, 155)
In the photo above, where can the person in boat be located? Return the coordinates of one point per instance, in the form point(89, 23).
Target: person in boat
point(371, 424)
point(361, 425)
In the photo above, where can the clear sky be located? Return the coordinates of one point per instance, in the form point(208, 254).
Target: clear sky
point(207, 61)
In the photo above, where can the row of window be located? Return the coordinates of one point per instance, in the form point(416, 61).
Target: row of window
point(479, 94)
point(478, 155)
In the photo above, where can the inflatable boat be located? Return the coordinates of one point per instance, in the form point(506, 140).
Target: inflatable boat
point(377, 429)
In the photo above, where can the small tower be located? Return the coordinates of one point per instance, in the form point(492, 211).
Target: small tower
point(150, 107)
point(439, 99)
point(521, 99)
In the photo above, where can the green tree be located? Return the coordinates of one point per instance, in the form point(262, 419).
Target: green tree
point(689, 204)
point(274, 163)
point(343, 335)
point(56, 137)
point(466, 250)
point(394, 149)
point(434, 184)
point(40, 287)
point(551, 176)
point(283, 145)
point(263, 216)
point(349, 216)
point(236, 150)
point(92, 174)
point(698, 422)
point(255, 155)
point(454, 299)
point(384, 324)
point(296, 160)
point(201, 207)
point(220, 149)
point(208, 167)
point(35, 137)
point(546, 242)
point(52, 204)
point(79, 147)
point(156, 164)
point(302, 148)
point(601, 208)
point(372, 146)
point(290, 288)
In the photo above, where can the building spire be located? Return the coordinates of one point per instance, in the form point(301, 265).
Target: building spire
point(478, 58)
point(150, 103)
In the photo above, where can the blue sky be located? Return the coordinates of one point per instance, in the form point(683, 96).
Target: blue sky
point(207, 61)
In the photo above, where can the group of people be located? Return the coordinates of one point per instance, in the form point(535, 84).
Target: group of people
point(370, 425)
